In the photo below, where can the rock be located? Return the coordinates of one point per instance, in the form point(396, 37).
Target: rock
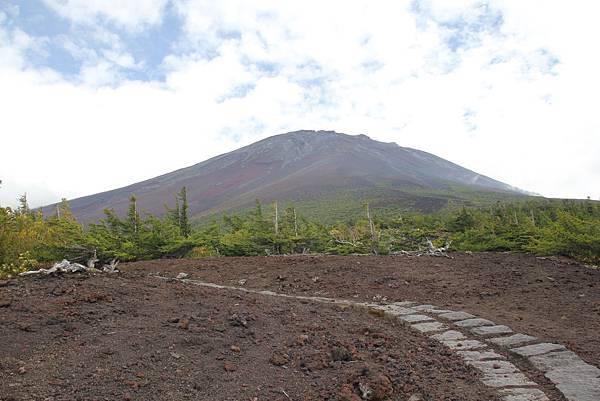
point(238, 320)
point(416, 397)
point(341, 354)
point(242, 282)
point(5, 303)
point(3, 283)
point(347, 393)
point(184, 323)
point(382, 388)
point(22, 370)
point(302, 339)
point(235, 348)
point(278, 359)
point(229, 367)
point(175, 355)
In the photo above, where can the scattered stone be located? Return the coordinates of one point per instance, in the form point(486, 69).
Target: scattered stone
point(235, 348)
point(347, 393)
point(416, 318)
point(229, 367)
point(491, 330)
point(429, 327)
point(456, 316)
point(515, 339)
point(341, 354)
point(416, 397)
point(381, 388)
point(175, 355)
point(449, 335)
point(302, 339)
point(476, 322)
point(238, 320)
point(479, 355)
point(538, 349)
point(460, 345)
point(523, 394)
point(5, 303)
point(183, 324)
point(242, 282)
point(278, 359)
point(181, 276)
point(22, 370)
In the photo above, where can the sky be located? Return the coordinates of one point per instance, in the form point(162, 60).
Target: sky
point(99, 94)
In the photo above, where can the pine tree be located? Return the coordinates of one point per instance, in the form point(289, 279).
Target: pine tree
point(23, 205)
point(184, 225)
point(133, 216)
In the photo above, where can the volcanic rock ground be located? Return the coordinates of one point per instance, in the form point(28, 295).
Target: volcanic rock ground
point(134, 336)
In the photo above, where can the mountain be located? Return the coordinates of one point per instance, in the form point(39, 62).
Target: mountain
point(324, 173)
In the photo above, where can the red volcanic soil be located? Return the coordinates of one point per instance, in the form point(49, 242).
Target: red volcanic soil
point(131, 336)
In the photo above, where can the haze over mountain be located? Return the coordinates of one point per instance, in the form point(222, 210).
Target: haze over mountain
point(302, 166)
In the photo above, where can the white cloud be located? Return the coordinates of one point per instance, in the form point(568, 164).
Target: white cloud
point(130, 14)
point(516, 103)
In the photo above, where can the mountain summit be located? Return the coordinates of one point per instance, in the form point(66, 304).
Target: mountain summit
point(304, 167)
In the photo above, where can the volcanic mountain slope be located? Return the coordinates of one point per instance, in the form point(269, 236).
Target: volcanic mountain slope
point(307, 167)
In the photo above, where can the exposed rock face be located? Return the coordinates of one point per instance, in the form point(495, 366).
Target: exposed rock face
point(301, 164)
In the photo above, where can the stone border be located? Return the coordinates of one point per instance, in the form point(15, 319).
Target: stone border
point(575, 379)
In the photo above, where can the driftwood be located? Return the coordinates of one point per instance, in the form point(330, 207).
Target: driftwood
point(431, 250)
point(67, 267)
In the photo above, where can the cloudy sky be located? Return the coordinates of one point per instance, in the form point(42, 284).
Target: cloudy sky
point(97, 94)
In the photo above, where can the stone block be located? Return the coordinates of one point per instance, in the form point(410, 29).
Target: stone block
point(491, 330)
point(416, 318)
point(479, 355)
point(456, 316)
point(538, 349)
point(429, 327)
point(476, 322)
point(515, 339)
point(449, 335)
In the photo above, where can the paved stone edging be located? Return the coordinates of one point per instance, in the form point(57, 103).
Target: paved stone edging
point(575, 379)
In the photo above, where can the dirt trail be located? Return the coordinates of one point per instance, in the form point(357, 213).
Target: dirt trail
point(133, 337)
point(556, 300)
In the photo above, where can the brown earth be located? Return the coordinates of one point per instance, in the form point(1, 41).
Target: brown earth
point(133, 336)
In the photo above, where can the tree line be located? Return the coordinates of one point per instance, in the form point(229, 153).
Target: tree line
point(545, 227)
